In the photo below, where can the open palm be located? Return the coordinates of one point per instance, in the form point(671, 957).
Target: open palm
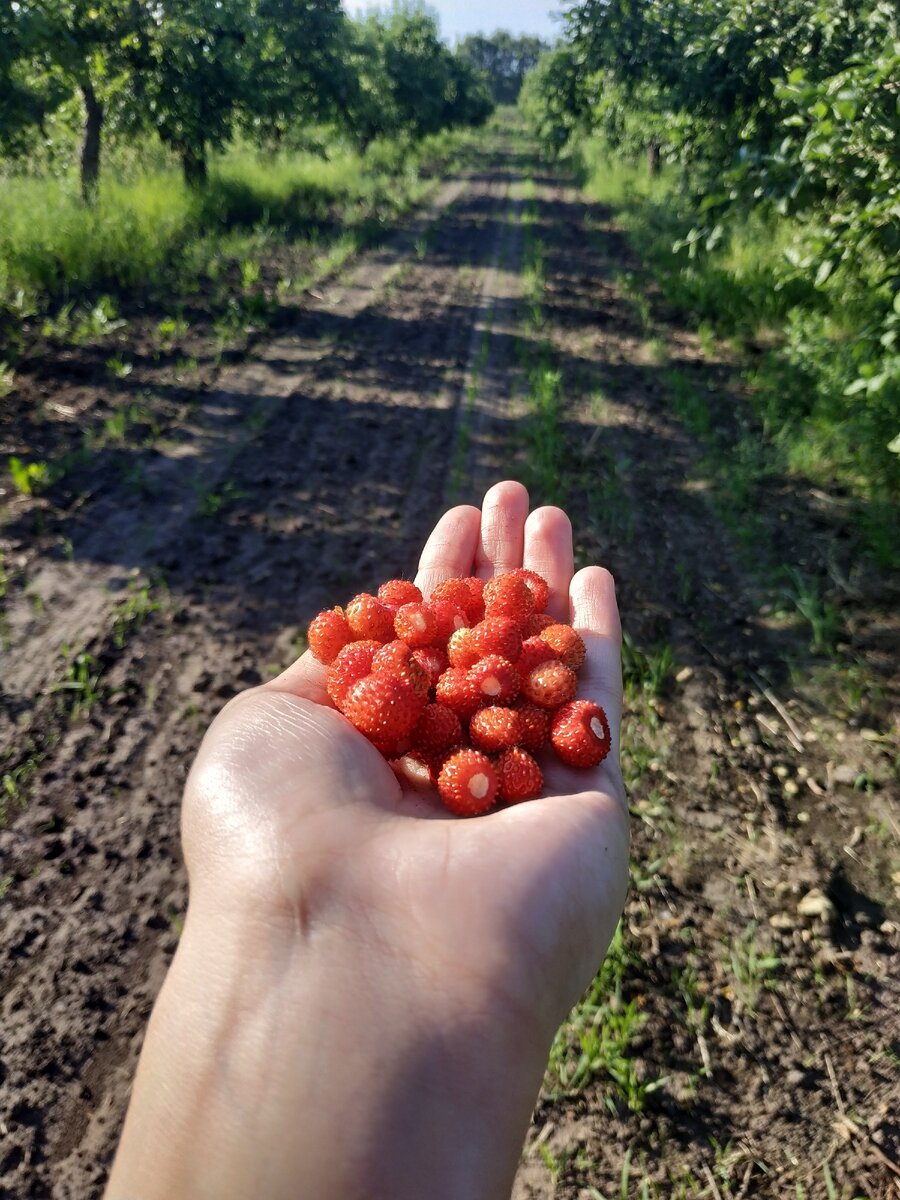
point(289, 810)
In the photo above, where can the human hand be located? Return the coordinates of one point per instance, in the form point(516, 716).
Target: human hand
point(359, 967)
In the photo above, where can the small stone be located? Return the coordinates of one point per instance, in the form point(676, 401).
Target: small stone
point(684, 675)
point(782, 920)
point(781, 771)
point(803, 817)
point(816, 904)
point(844, 773)
point(790, 787)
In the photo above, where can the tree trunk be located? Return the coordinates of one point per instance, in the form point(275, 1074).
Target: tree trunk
point(193, 162)
point(90, 145)
point(653, 158)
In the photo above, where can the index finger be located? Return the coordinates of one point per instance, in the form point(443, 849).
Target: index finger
point(450, 550)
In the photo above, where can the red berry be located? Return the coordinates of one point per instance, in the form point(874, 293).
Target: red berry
point(550, 685)
point(433, 661)
point(395, 658)
point(538, 586)
point(534, 726)
point(568, 644)
point(437, 729)
point(328, 634)
point(463, 649)
point(475, 608)
point(580, 734)
point(352, 664)
point(495, 679)
point(498, 635)
point(518, 777)
point(416, 625)
point(458, 593)
point(383, 707)
point(368, 618)
point(537, 623)
point(508, 596)
point(416, 769)
point(448, 618)
point(397, 592)
point(494, 729)
point(457, 691)
point(467, 783)
point(534, 652)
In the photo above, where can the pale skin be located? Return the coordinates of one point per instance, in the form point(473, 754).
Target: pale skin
point(366, 988)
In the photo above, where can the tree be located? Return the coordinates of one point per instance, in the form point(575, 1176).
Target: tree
point(505, 60)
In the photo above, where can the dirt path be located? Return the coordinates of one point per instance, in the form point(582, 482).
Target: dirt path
point(302, 473)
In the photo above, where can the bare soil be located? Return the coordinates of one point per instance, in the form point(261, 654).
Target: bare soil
point(182, 556)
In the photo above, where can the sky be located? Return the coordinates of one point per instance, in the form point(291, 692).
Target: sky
point(459, 17)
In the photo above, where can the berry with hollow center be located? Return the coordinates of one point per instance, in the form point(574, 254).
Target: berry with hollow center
point(580, 734)
point(368, 618)
point(457, 691)
point(396, 658)
point(498, 635)
point(568, 644)
point(534, 726)
point(383, 707)
point(508, 596)
point(495, 679)
point(458, 593)
point(448, 618)
point(397, 592)
point(467, 783)
point(534, 652)
point(416, 625)
point(433, 661)
point(352, 664)
point(437, 729)
point(463, 649)
point(550, 685)
point(494, 729)
point(518, 777)
point(328, 634)
point(538, 586)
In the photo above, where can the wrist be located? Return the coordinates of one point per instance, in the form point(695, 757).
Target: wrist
point(287, 1063)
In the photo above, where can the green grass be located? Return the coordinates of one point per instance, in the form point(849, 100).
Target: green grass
point(150, 229)
point(822, 409)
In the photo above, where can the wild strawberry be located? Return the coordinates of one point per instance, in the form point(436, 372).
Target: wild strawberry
point(534, 652)
point(397, 592)
point(458, 593)
point(495, 679)
point(457, 691)
point(538, 586)
point(498, 635)
point(383, 707)
point(568, 644)
point(518, 777)
point(467, 783)
point(433, 661)
point(475, 608)
point(494, 729)
point(534, 726)
point(448, 618)
point(328, 634)
point(536, 623)
point(395, 658)
point(550, 685)
point(437, 729)
point(416, 625)
point(580, 734)
point(508, 596)
point(462, 649)
point(420, 770)
point(352, 664)
point(368, 618)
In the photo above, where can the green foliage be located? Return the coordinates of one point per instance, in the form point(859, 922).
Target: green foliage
point(28, 478)
point(503, 59)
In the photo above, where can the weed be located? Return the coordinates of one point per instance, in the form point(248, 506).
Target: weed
point(211, 504)
point(171, 329)
point(752, 968)
point(823, 619)
point(81, 684)
point(645, 673)
point(118, 367)
point(7, 380)
point(29, 478)
point(14, 783)
point(131, 612)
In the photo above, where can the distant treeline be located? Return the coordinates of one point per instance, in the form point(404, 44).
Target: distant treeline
point(198, 72)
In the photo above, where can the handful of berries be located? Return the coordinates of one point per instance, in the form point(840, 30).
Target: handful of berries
point(461, 692)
